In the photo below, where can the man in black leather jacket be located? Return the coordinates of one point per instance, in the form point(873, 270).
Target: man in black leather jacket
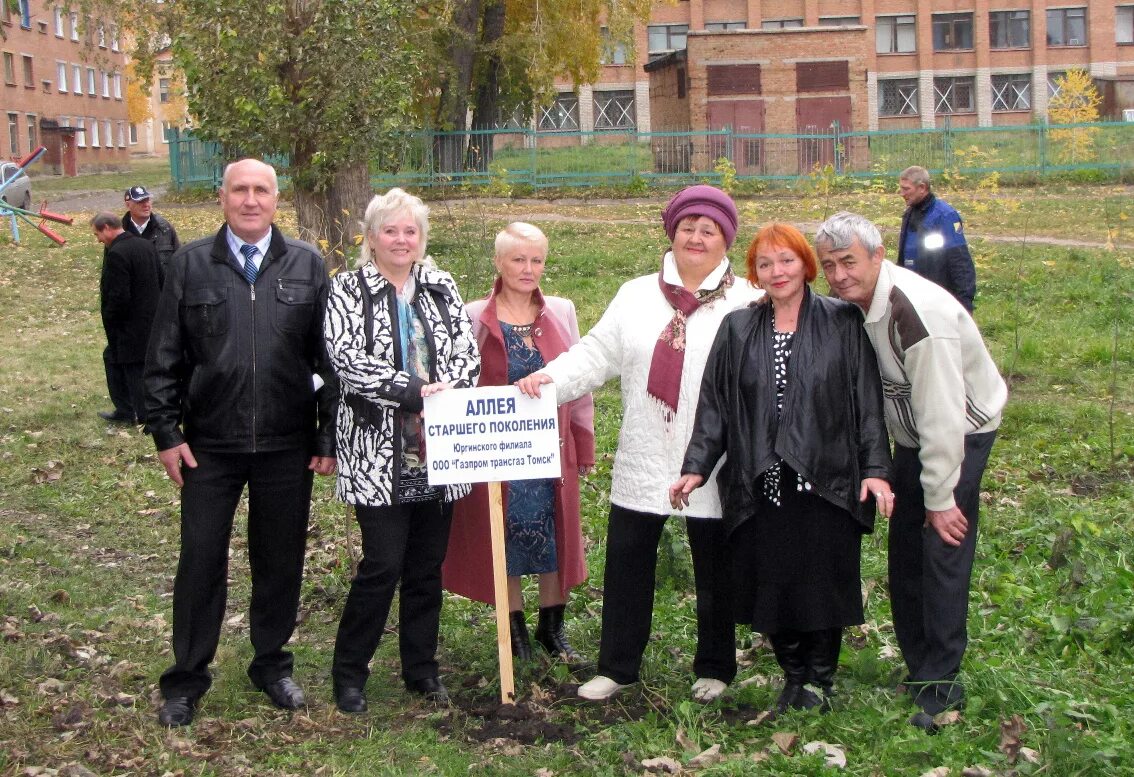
point(240, 391)
point(141, 220)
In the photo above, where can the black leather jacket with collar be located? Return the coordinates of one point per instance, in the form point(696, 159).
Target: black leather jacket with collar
point(230, 366)
point(831, 429)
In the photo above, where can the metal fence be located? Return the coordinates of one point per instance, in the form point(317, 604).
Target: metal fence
point(501, 160)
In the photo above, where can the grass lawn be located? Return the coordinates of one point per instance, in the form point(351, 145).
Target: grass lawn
point(147, 172)
point(89, 538)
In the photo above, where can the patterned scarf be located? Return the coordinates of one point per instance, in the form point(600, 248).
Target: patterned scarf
point(664, 383)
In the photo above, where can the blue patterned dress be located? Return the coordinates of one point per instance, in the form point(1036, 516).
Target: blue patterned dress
point(530, 520)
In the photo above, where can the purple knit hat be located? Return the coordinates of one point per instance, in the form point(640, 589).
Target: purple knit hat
point(702, 200)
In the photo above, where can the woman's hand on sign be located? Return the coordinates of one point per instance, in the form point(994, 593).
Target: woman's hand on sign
point(530, 385)
point(679, 492)
point(429, 389)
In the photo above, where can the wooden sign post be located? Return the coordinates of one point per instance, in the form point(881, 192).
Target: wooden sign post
point(489, 435)
point(500, 586)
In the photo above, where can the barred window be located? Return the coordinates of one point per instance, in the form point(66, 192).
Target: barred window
point(899, 97)
point(954, 95)
point(517, 119)
point(614, 110)
point(895, 34)
point(952, 31)
point(1009, 29)
point(1012, 92)
point(1053, 83)
point(1067, 27)
point(562, 115)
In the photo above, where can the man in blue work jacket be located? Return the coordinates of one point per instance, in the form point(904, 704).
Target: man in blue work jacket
point(932, 242)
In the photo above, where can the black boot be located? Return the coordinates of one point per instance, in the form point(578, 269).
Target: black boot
point(551, 637)
point(822, 656)
point(521, 647)
point(788, 647)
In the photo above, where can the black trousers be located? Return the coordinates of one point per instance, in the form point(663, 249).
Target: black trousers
point(400, 543)
point(628, 595)
point(929, 580)
point(124, 385)
point(279, 504)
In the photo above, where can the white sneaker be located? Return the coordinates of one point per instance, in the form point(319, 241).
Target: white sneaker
point(707, 689)
point(599, 688)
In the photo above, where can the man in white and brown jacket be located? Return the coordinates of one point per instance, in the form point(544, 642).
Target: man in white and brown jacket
point(943, 399)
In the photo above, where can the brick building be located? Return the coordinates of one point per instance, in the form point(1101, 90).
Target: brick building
point(977, 62)
point(60, 92)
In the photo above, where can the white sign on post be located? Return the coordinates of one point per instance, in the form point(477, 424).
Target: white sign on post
point(493, 433)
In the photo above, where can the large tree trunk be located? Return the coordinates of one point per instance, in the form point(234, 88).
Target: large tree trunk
point(330, 218)
point(453, 104)
point(488, 93)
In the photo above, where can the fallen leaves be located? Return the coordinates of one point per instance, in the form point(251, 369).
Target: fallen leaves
point(48, 473)
point(1010, 732)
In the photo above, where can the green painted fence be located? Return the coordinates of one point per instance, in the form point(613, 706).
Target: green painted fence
point(499, 160)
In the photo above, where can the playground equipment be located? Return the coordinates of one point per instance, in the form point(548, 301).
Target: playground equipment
point(16, 215)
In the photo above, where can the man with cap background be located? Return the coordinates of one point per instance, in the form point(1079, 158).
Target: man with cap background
point(932, 242)
point(141, 220)
point(128, 291)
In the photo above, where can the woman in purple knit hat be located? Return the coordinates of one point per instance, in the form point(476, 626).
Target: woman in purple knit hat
point(655, 336)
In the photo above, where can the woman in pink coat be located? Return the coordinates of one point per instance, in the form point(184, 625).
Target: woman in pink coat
point(519, 330)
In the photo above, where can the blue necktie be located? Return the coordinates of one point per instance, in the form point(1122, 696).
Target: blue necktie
point(250, 270)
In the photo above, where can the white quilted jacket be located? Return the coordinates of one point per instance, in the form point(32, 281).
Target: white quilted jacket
point(621, 344)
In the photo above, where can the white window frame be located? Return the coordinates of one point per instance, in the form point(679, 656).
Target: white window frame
point(94, 133)
point(117, 80)
point(92, 82)
point(61, 76)
point(674, 35)
point(33, 134)
point(1124, 25)
point(76, 78)
point(75, 27)
point(58, 20)
point(80, 132)
point(1064, 14)
point(105, 84)
point(133, 133)
point(792, 23)
point(892, 31)
point(1010, 19)
point(14, 135)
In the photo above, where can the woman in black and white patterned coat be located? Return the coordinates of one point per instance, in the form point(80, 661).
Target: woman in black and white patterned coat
point(396, 332)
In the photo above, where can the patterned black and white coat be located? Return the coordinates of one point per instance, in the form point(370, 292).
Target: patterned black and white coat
point(375, 392)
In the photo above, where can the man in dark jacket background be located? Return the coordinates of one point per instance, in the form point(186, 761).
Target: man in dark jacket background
point(128, 291)
point(239, 391)
point(932, 242)
point(140, 219)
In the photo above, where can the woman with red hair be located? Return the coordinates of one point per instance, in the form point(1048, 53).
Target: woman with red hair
point(791, 395)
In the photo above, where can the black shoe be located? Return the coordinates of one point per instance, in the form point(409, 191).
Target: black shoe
point(116, 417)
point(350, 699)
point(924, 721)
point(551, 636)
point(788, 699)
point(177, 711)
point(431, 688)
point(286, 694)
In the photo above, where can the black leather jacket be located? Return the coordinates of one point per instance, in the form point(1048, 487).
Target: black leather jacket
point(234, 364)
point(163, 236)
point(831, 429)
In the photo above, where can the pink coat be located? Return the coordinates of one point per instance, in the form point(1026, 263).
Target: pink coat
point(468, 564)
